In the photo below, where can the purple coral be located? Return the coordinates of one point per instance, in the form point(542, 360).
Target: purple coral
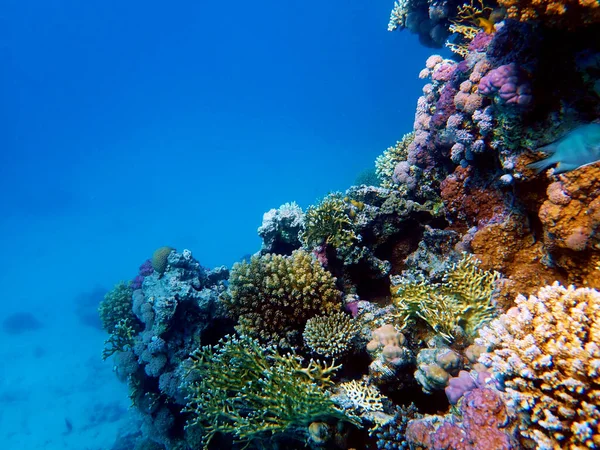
point(508, 83)
point(465, 382)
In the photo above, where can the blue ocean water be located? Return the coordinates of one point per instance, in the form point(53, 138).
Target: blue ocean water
point(131, 125)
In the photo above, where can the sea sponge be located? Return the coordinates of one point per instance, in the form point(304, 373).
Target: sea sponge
point(273, 296)
point(159, 259)
point(546, 351)
point(330, 335)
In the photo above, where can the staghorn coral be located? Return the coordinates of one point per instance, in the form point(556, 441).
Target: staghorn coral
point(329, 223)
point(117, 307)
point(546, 351)
point(251, 392)
point(331, 335)
point(121, 339)
point(461, 303)
point(273, 296)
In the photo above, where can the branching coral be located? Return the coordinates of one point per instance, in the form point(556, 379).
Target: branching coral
point(120, 340)
point(546, 350)
point(462, 301)
point(329, 223)
point(273, 296)
point(253, 393)
point(117, 306)
point(330, 335)
point(386, 164)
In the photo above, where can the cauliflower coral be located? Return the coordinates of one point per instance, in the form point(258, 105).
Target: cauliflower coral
point(546, 352)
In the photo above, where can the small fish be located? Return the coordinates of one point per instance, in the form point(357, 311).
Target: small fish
point(580, 147)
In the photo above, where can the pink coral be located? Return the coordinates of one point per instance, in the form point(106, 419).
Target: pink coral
point(508, 83)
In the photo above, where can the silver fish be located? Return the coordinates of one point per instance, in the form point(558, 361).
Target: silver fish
point(579, 147)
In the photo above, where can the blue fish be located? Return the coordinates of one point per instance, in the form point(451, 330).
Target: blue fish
point(579, 147)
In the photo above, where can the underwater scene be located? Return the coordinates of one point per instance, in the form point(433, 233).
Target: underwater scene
point(322, 225)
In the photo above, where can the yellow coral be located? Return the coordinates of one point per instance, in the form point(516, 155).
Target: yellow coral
point(462, 300)
point(330, 335)
point(546, 350)
point(273, 296)
point(330, 223)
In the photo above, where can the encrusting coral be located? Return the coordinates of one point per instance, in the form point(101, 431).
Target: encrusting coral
point(253, 393)
point(273, 296)
point(461, 303)
point(330, 335)
point(546, 352)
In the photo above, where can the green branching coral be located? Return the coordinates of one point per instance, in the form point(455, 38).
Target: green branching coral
point(386, 164)
point(462, 300)
point(253, 393)
point(330, 335)
point(120, 340)
point(329, 223)
point(117, 306)
point(273, 296)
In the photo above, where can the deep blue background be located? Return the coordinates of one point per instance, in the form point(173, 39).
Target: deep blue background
point(131, 125)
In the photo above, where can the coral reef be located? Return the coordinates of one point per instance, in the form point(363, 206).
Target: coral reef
point(273, 296)
point(331, 335)
point(456, 307)
point(546, 353)
point(392, 281)
point(281, 228)
point(486, 424)
point(251, 392)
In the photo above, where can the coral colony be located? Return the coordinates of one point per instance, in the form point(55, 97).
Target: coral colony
point(451, 306)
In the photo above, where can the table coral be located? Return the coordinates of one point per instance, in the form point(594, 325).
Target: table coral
point(546, 351)
point(273, 296)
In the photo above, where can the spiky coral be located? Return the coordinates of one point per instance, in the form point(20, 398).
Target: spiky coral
point(120, 340)
point(273, 296)
point(330, 335)
point(462, 300)
point(329, 223)
point(253, 393)
point(386, 164)
point(546, 350)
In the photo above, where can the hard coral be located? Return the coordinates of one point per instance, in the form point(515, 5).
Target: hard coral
point(117, 306)
point(486, 424)
point(546, 351)
point(330, 335)
point(462, 303)
point(273, 296)
point(329, 223)
point(254, 394)
point(559, 13)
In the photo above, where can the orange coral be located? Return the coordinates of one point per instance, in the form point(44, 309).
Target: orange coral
point(560, 13)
